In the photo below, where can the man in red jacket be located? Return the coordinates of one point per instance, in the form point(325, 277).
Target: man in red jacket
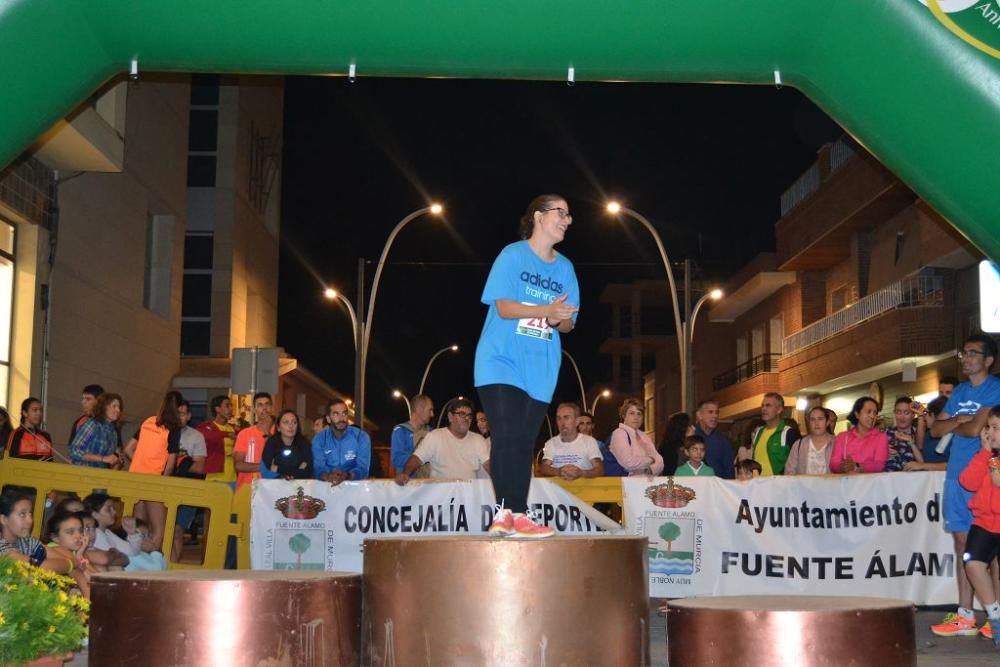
point(982, 476)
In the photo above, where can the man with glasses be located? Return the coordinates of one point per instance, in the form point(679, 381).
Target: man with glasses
point(453, 452)
point(964, 417)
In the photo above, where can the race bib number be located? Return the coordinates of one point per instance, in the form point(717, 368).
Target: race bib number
point(534, 327)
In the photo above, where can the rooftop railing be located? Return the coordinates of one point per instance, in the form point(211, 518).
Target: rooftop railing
point(839, 154)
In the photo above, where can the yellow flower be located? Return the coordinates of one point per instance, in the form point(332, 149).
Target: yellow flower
point(2, 619)
point(10, 587)
point(59, 611)
point(63, 597)
point(9, 571)
point(52, 629)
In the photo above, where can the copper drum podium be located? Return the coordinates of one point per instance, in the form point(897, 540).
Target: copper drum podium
point(225, 617)
point(469, 601)
point(765, 631)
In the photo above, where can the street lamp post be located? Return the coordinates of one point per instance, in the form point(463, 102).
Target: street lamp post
point(685, 335)
point(400, 395)
point(604, 394)
point(366, 332)
point(579, 379)
point(333, 295)
point(427, 369)
point(689, 323)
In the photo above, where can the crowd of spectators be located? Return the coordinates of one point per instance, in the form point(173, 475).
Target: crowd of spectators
point(82, 537)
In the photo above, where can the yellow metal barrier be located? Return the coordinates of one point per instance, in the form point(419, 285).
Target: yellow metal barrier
point(594, 489)
point(131, 488)
point(241, 508)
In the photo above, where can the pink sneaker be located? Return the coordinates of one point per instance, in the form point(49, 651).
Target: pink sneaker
point(503, 522)
point(525, 526)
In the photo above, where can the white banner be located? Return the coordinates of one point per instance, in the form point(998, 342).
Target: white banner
point(311, 525)
point(873, 535)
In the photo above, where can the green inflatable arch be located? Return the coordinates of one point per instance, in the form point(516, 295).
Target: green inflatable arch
point(918, 85)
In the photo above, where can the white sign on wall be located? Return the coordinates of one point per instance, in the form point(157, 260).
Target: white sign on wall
point(989, 297)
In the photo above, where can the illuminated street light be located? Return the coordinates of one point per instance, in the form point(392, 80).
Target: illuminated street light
point(604, 394)
point(714, 295)
point(366, 332)
point(333, 295)
point(400, 395)
point(685, 333)
point(427, 369)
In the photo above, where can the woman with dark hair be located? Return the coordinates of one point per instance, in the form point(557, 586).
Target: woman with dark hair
point(533, 299)
point(153, 451)
point(810, 455)
point(863, 447)
point(29, 441)
point(679, 426)
point(630, 444)
point(287, 454)
point(95, 441)
point(6, 429)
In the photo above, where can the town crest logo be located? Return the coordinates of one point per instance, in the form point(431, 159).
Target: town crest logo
point(670, 494)
point(674, 533)
point(300, 506)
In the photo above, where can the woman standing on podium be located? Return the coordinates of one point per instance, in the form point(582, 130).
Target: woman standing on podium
point(533, 298)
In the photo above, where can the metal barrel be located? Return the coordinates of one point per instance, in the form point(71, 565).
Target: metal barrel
point(480, 601)
point(806, 631)
point(225, 617)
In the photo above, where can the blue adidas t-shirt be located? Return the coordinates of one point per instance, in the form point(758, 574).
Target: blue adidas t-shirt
point(525, 353)
point(967, 400)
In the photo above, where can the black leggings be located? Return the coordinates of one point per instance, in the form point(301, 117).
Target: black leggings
point(515, 419)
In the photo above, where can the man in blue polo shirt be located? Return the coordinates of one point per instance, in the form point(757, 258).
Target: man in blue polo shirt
point(718, 450)
point(406, 436)
point(341, 452)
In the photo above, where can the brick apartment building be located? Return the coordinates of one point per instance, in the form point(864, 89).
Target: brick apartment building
point(869, 292)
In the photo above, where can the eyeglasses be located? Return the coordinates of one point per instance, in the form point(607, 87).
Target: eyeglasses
point(463, 415)
point(968, 353)
point(563, 213)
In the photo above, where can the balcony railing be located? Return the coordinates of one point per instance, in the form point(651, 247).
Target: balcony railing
point(922, 290)
point(839, 154)
point(765, 363)
point(804, 185)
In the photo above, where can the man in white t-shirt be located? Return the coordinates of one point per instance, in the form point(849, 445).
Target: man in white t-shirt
point(571, 454)
point(453, 452)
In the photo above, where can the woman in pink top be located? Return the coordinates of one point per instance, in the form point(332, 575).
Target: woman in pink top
point(633, 448)
point(862, 448)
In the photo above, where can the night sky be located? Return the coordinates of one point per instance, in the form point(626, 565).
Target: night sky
point(706, 164)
